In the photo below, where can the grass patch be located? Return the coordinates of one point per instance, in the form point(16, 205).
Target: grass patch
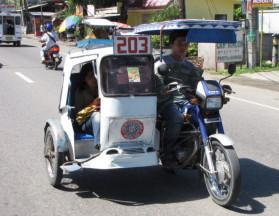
point(244, 70)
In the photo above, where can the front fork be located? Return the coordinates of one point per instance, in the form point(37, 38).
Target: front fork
point(208, 151)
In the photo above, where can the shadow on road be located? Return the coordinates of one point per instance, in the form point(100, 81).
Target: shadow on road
point(11, 46)
point(258, 181)
point(136, 187)
point(153, 185)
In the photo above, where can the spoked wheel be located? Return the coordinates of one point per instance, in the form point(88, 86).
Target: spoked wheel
point(54, 160)
point(223, 187)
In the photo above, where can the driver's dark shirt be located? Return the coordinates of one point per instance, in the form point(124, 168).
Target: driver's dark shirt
point(183, 72)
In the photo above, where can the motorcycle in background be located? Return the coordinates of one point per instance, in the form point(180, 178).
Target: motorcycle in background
point(53, 58)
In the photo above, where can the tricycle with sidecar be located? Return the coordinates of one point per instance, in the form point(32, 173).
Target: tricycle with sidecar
point(130, 130)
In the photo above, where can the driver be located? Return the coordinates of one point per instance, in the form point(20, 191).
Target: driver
point(87, 103)
point(185, 73)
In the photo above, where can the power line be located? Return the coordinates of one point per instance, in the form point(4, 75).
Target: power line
point(209, 9)
point(213, 4)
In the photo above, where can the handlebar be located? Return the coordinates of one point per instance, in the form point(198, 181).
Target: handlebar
point(227, 89)
point(174, 86)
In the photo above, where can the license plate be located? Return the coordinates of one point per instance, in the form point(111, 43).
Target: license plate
point(9, 38)
point(55, 55)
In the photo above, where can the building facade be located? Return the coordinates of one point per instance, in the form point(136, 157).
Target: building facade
point(211, 9)
point(140, 11)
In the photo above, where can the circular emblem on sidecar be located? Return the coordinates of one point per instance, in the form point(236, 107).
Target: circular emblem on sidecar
point(132, 129)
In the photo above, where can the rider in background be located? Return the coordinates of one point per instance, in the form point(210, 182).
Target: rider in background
point(48, 39)
point(184, 72)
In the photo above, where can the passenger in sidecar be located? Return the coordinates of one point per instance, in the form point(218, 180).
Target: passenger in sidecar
point(87, 103)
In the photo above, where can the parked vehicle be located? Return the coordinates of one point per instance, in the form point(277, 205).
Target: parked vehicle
point(130, 128)
point(10, 28)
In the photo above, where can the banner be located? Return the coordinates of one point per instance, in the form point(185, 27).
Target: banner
point(262, 3)
point(79, 11)
point(91, 10)
point(6, 8)
point(230, 52)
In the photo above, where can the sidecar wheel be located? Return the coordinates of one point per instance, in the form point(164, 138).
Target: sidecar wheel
point(228, 175)
point(53, 159)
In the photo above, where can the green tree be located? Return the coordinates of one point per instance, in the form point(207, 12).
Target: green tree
point(237, 13)
point(169, 13)
point(71, 7)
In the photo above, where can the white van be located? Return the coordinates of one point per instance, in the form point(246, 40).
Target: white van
point(10, 28)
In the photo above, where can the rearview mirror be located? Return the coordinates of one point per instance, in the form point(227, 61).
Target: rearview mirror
point(163, 70)
point(232, 69)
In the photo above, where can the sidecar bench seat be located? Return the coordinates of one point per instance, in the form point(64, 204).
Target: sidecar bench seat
point(84, 145)
point(83, 136)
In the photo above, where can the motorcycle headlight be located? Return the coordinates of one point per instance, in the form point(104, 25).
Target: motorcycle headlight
point(213, 103)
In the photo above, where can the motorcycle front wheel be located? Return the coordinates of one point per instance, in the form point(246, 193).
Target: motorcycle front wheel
point(225, 186)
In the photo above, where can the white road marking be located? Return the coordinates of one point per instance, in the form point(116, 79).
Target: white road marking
point(255, 103)
point(25, 78)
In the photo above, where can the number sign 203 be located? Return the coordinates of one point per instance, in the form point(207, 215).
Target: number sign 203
point(132, 45)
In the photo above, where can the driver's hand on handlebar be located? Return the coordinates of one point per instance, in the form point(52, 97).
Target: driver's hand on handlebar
point(227, 89)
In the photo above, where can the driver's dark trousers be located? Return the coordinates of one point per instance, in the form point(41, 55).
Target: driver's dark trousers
point(174, 124)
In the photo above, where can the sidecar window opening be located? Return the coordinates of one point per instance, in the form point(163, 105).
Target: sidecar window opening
point(75, 80)
point(127, 75)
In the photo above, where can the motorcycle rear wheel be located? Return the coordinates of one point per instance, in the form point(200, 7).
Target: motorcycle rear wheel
point(228, 176)
point(56, 65)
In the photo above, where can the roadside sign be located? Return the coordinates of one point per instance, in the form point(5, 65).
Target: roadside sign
point(230, 52)
point(6, 8)
point(132, 45)
point(262, 3)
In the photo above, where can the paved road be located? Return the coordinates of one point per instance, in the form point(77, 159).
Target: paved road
point(29, 95)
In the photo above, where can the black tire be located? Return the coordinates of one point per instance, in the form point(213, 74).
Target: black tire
point(234, 170)
point(56, 65)
point(18, 43)
point(14, 44)
point(211, 129)
point(53, 159)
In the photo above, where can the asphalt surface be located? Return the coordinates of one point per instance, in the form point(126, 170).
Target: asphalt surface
point(29, 94)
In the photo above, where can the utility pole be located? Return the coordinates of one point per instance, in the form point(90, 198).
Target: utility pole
point(253, 35)
point(124, 11)
point(182, 9)
point(42, 16)
point(22, 12)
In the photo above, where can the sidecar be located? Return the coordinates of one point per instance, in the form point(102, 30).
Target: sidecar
point(128, 137)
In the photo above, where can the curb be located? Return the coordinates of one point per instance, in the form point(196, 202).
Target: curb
point(246, 80)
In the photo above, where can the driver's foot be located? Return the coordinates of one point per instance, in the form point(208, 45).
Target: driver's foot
point(169, 161)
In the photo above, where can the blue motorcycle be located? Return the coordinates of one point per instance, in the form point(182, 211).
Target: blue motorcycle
point(202, 142)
